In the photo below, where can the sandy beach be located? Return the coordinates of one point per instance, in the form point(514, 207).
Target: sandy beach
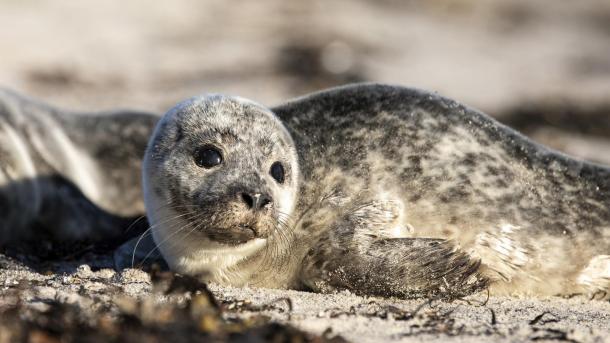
point(542, 67)
point(93, 290)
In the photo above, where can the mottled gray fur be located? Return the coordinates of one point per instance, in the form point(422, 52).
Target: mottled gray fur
point(388, 191)
point(400, 192)
point(534, 217)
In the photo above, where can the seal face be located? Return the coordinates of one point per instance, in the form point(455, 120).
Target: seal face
point(220, 178)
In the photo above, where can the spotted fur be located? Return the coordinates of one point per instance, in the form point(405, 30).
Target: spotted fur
point(403, 192)
point(389, 191)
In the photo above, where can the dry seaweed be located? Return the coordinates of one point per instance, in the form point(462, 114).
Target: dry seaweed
point(180, 309)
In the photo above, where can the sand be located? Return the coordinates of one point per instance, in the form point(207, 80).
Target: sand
point(100, 291)
point(540, 66)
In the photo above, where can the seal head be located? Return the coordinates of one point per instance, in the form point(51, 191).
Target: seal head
point(220, 175)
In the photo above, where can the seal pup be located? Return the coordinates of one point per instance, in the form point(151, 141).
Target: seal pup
point(68, 176)
point(377, 189)
point(385, 190)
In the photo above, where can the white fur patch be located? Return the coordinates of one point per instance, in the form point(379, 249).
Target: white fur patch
point(499, 251)
point(217, 259)
point(286, 201)
point(596, 275)
point(384, 218)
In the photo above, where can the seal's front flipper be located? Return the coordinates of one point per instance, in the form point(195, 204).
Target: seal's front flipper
point(369, 252)
point(401, 267)
point(139, 252)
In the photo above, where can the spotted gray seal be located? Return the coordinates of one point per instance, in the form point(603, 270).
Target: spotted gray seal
point(377, 189)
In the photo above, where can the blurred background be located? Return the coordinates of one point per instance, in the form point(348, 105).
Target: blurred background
point(541, 66)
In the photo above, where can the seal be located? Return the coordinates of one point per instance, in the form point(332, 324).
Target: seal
point(377, 189)
point(68, 176)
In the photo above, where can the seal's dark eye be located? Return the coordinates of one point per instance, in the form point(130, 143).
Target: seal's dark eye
point(277, 172)
point(207, 157)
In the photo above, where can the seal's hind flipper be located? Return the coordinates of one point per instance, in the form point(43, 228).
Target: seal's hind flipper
point(402, 267)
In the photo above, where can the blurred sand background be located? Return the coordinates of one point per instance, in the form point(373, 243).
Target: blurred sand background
point(541, 66)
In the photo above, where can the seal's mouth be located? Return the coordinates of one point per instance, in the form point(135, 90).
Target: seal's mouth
point(249, 229)
point(226, 221)
point(236, 234)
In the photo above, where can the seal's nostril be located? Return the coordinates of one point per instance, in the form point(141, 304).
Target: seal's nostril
point(257, 201)
point(263, 201)
point(247, 199)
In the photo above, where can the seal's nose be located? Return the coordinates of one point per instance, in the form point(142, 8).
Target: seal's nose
point(256, 201)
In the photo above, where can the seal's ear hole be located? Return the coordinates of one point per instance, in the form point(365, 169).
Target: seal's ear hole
point(277, 172)
point(207, 157)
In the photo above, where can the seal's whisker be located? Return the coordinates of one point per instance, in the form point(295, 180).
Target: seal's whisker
point(273, 250)
point(285, 224)
point(278, 243)
point(288, 237)
point(267, 247)
point(280, 230)
point(166, 239)
point(196, 219)
point(137, 220)
point(149, 231)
